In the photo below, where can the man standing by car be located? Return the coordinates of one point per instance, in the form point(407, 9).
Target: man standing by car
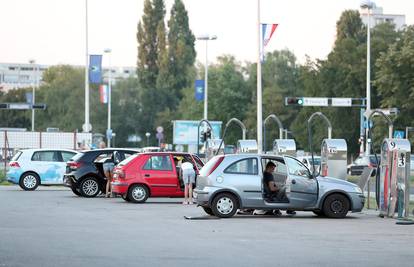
point(188, 175)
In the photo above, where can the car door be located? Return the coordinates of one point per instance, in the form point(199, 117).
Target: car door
point(159, 174)
point(302, 188)
point(244, 175)
point(47, 165)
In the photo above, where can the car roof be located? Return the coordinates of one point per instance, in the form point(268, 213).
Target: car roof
point(110, 149)
point(47, 149)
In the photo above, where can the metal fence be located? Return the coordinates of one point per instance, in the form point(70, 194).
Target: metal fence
point(12, 141)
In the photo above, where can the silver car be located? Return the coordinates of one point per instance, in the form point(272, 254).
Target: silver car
point(231, 182)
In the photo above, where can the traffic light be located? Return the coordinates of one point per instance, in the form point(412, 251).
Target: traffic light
point(298, 101)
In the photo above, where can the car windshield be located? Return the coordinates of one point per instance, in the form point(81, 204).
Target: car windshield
point(127, 160)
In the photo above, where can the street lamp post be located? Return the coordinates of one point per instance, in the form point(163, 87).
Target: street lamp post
point(108, 131)
point(86, 126)
point(369, 5)
point(34, 84)
point(206, 38)
point(147, 134)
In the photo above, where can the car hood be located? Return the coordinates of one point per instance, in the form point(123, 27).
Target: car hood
point(331, 180)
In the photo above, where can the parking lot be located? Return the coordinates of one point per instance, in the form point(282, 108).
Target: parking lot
point(52, 227)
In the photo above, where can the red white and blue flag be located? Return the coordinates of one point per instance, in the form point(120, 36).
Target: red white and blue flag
point(267, 32)
point(103, 93)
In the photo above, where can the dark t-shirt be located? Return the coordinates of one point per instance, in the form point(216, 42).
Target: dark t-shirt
point(267, 177)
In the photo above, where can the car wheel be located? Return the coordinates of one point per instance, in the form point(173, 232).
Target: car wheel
point(336, 206)
point(138, 193)
point(89, 187)
point(318, 213)
point(29, 181)
point(75, 190)
point(208, 210)
point(224, 205)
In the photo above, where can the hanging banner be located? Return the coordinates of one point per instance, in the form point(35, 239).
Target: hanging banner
point(103, 93)
point(267, 31)
point(95, 69)
point(199, 90)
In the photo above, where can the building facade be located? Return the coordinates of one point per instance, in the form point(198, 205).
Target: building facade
point(21, 75)
point(377, 16)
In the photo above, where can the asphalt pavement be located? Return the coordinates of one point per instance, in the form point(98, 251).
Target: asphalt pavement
point(52, 227)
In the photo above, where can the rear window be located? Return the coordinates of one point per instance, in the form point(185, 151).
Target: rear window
point(77, 156)
point(127, 160)
point(16, 156)
point(209, 165)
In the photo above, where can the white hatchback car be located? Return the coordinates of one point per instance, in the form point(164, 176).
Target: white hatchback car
point(31, 167)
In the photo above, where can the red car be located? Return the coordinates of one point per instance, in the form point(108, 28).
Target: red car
point(152, 174)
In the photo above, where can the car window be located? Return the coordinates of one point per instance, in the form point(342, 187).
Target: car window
point(45, 156)
point(16, 156)
point(158, 163)
point(128, 154)
point(66, 156)
point(77, 156)
point(103, 157)
point(244, 166)
point(295, 167)
point(127, 160)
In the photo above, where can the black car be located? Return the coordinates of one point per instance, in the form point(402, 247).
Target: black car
point(84, 172)
point(360, 163)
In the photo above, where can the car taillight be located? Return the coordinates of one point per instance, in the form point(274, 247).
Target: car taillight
point(120, 174)
point(14, 164)
point(73, 165)
point(218, 162)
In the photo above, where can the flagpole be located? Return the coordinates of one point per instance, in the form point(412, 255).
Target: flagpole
point(259, 87)
point(86, 127)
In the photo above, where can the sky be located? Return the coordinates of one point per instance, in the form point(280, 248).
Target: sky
point(53, 31)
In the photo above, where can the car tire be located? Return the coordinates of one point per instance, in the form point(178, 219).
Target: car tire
point(225, 205)
point(138, 193)
point(208, 210)
point(75, 190)
point(125, 197)
point(89, 187)
point(336, 206)
point(29, 181)
point(319, 213)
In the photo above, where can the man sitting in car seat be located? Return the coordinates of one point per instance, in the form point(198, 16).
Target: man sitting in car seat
point(272, 192)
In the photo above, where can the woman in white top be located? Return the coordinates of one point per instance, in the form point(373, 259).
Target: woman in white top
point(188, 175)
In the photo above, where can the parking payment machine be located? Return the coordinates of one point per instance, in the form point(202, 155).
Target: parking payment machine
point(247, 146)
point(284, 147)
point(333, 158)
point(394, 177)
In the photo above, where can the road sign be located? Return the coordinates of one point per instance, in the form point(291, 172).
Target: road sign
point(87, 128)
point(109, 133)
point(160, 129)
point(399, 134)
point(341, 102)
point(315, 101)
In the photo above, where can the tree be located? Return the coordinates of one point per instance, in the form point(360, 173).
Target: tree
point(395, 78)
point(151, 47)
point(15, 118)
point(178, 63)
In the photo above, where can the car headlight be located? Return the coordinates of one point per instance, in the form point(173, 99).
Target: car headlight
point(357, 189)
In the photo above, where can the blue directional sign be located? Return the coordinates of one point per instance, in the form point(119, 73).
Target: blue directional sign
point(399, 134)
point(199, 90)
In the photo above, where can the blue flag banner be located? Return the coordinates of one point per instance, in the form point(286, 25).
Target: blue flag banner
point(29, 98)
point(95, 69)
point(199, 90)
